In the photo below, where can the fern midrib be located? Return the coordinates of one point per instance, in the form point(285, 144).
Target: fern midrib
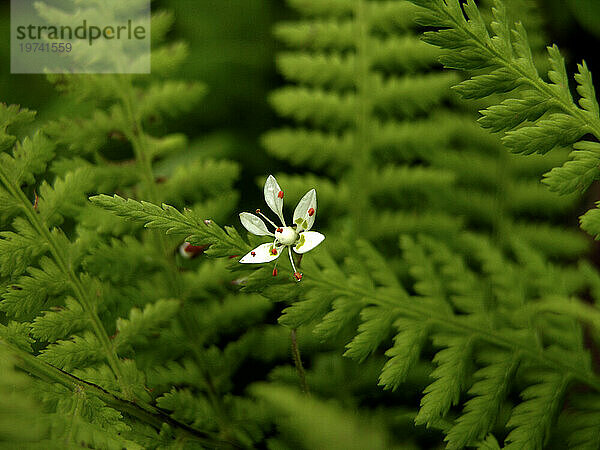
point(139, 410)
point(202, 230)
point(462, 328)
point(537, 83)
point(76, 285)
point(361, 158)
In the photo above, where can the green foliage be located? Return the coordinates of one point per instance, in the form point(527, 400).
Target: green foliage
point(188, 225)
point(362, 131)
point(487, 311)
point(443, 305)
point(310, 423)
point(451, 378)
point(535, 115)
point(482, 320)
point(79, 283)
point(376, 129)
point(22, 420)
point(533, 418)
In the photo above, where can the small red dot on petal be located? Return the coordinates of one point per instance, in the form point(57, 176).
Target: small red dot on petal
point(273, 251)
point(280, 230)
point(280, 194)
point(253, 253)
point(311, 211)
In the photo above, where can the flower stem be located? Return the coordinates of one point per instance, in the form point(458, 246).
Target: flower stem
point(298, 362)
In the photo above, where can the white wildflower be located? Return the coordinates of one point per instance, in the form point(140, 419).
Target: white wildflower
point(297, 236)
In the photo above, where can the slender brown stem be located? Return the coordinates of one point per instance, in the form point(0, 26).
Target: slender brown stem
point(151, 415)
point(298, 362)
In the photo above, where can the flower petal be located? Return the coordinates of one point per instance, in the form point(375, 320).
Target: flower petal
point(254, 224)
point(262, 254)
point(307, 241)
point(306, 211)
point(274, 197)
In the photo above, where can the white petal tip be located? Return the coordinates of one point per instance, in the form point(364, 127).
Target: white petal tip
point(308, 241)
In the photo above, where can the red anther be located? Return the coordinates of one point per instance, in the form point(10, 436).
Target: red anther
point(297, 276)
point(253, 253)
point(273, 251)
point(258, 211)
point(280, 230)
point(274, 271)
point(311, 211)
point(280, 194)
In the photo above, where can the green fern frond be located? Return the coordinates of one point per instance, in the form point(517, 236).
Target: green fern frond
point(12, 116)
point(535, 116)
point(32, 292)
point(375, 328)
point(451, 378)
point(470, 320)
point(23, 422)
point(188, 408)
point(491, 385)
point(18, 249)
point(28, 159)
point(142, 325)
point(59, 323)
point(404, 354)
point(577, 174)
point(584, 423)
point(532, 419)
point(224, 242)
point(317, 424)
point(81, 351)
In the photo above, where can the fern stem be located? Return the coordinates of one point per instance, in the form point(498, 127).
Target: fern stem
point(140, 410)
point(456, 326)
point(298, 362)
point(76, 285)
point(360, 159)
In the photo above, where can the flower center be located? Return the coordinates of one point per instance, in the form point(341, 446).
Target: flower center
point(286, 235)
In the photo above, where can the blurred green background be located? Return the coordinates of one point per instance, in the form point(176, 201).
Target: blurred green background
point(232, 50)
